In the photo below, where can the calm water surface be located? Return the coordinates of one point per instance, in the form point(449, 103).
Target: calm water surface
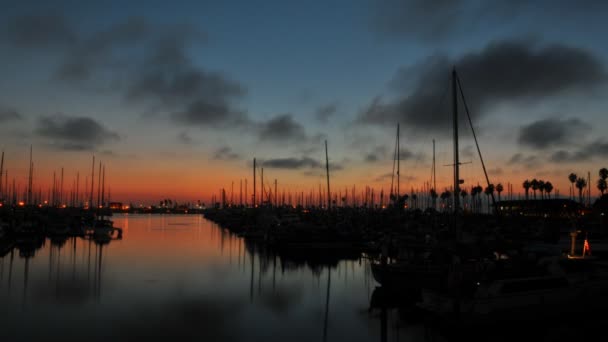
point(183, 277)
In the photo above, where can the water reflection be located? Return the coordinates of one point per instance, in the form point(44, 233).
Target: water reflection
point(182, 277)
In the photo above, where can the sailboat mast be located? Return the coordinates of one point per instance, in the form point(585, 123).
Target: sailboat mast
point(76, 199)
point(29, 181)
point(434, 170)
point(103, 186)
point(254, 180)
point(99, 187)
point(398, 164)
point(327, 168)
point(456, 159)
point(92, 182)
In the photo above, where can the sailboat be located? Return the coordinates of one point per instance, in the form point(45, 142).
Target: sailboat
point(429, 262)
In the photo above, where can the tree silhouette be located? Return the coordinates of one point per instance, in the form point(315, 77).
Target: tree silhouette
point(527, 186)
point(444, 196)
point(478, 189)
point(534, 184)
point(548, 188)
point(488, 191)
point(572, 178)
point(602, 185)
point(581, 183)
point(499, 189)
point(603, 173)
point(463, 194)
point(541, 188)
point(434, 197)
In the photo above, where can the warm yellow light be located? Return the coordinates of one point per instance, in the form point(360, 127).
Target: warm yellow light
point(21, 203)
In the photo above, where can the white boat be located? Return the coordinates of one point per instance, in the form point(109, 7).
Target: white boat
point(570, 285)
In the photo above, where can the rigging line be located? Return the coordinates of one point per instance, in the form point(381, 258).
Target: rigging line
point(466, 107)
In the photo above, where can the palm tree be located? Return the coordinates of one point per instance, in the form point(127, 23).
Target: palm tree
point(488, 191)
point(572, 178)
point(534, 184)
point(527, 186)
point(463, 194)
point(473, 197)
point(499, 189)
point(581, 183)
point(434, 197)
point(548, 188)
point(603, 173)
point(444, 196)
point(479, 190)
point(602, 185)
point(541, 188)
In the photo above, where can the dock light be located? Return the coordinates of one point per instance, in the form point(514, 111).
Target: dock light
point(21, 203)
point(2, 204)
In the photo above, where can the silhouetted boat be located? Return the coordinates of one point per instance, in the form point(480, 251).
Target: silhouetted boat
point(564, 286)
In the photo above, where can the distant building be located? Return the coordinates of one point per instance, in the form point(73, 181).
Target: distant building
point(116, 205)
point(551, 207)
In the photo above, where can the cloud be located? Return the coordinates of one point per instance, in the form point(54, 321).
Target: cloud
point(184, 138)
point(39, 30)
point(292, 163)
point(434, 21)
point(98, 51)
point(146, 63)
point(192, 95)
point(551, 132)
point(378, 153)
point(9, 114)
point(595, 149)
point(281, 128)
point(225, 153)
point(74, 133)
point(496, 171)
point(527, 161)
point(504, 71)
point(323, 113)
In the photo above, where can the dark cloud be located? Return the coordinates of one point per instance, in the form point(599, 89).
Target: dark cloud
point(149, 64)
point(433, 21)
point(99, 51)
point(192, 95)
point(9, 114)
point(562, 156)
point(282, 128)
point(527, 161)
point(323, 113)
point(184, 138)
point(496, 172)
point(595, 149)
point(292, 163)
point(379, 153)
point(225, 153)
point(551, 132)
point(74, 133)
point(504, 71)
point(39, 30)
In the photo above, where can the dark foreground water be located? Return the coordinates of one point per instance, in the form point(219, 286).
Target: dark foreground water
point(183, 278)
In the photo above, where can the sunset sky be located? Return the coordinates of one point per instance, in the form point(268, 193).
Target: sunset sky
point(177, 98)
